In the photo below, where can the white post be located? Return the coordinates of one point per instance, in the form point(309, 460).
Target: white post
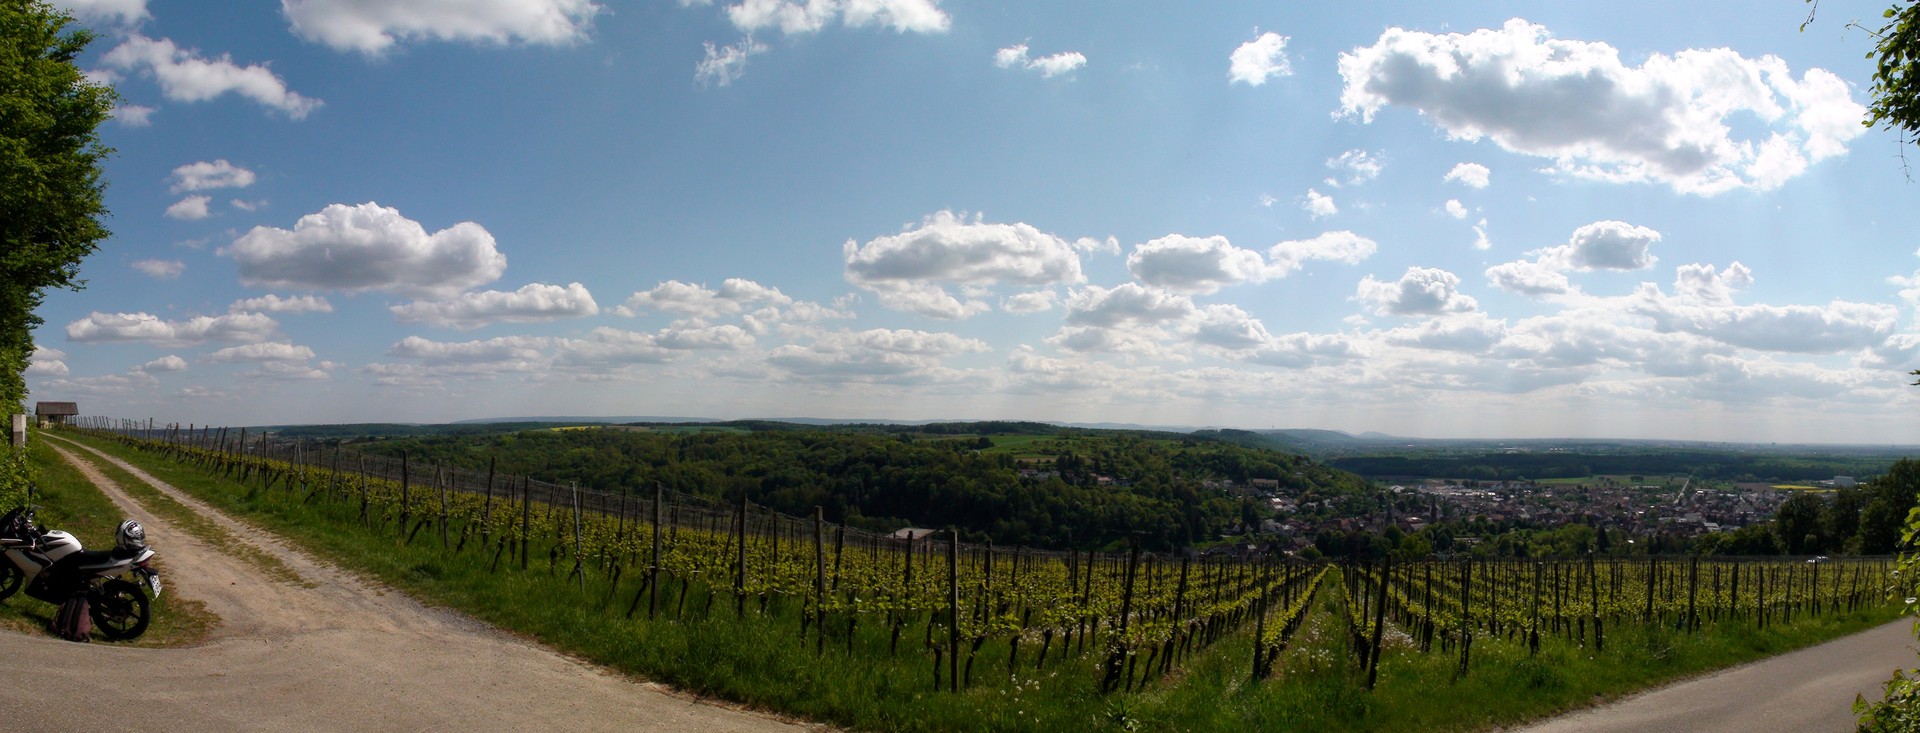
point(19, 430)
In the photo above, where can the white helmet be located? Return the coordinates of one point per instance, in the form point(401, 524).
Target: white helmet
point(131, 536)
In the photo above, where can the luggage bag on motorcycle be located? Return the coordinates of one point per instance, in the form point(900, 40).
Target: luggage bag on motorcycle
point(72, 622)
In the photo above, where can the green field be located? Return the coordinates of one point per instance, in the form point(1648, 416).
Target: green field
point(764, 655)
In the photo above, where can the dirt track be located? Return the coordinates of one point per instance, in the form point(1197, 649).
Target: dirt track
point(330, 651)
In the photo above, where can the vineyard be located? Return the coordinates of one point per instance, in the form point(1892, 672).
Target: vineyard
point(1123, 633)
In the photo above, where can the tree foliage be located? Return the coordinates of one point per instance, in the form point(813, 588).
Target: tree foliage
point(50, 178)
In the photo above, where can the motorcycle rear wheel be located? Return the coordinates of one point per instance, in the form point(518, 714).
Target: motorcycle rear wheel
point(119, 609)
point(10, 578)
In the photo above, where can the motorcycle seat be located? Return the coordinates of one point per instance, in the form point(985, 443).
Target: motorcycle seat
point(97, 558)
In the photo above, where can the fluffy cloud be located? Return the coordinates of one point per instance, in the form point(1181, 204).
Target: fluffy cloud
point(189, 208)
point(1205, 265)
point(160, 269)
point(1455, 209)
point(185, 76)
point(525, 350)
point(1421, 291)
point(1359, 166)
point(1468, 332)
point(910, 270)
point(100, 327)
point(1318, 204)
point(373, 27)
point(127, 12)
point(809, 16)
point(1033, 302)
point(367, 247)
point(1471, 174)
point(1195, 264)
point(723, 64)
point(1340, 246)
point(276, 304)
point(1602, 245)
point(1015, 57)
point(699, 302)
point(168, 363)
point(881, 355)
point(261, 353)
point(47, 362)
point(534, 303)
point(1128, 303)
point(1665, 121)
point(1258, 60)
point(1609, 245)
point(1837, 327)
point(1706, 284)
point(206, 176)
point(1228, 327)
point(133, 115)
point(726, 337)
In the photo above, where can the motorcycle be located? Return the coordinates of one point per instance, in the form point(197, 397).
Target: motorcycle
point(53, 567)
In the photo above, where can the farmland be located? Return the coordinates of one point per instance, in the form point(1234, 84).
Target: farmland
point(827, 621)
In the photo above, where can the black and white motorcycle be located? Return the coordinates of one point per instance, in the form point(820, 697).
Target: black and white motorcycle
point(53, 567)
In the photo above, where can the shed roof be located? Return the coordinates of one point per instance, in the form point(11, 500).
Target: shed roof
point(56, 408)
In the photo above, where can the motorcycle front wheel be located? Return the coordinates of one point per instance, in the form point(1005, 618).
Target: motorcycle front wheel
point(119, 609)
point(10, 578)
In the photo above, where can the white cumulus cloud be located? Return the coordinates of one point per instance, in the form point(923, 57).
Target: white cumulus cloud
point(268, 351)
point(168, 363)
point(209, 175)
point(809, 16)
point(1318, 204)
point(373, 27)
point(100, 327)
point(1258, 60)
point(189, 208)
point(160, 269)
point(1668, 120)
point(186, 76)
point(1421, 291)
point(699, 302)
point(723, 64)
point(1471, 174)
point(1015, 57)
point(910, 270)
point(367, 247)
point(126, 12)
point(534, 303)
point(276, 304)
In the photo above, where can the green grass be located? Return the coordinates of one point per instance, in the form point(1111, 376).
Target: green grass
point(760, 660)
point(67, 501)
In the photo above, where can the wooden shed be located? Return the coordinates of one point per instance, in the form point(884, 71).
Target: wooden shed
point(55, 413)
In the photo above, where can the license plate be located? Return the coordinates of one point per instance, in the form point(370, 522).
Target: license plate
point(153, 581)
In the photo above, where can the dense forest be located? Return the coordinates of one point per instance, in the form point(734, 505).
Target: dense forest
point(1016, 483)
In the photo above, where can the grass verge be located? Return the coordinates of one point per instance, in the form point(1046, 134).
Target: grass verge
point(68, 501)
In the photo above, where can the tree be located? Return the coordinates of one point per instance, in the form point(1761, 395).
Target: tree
point(50, 179)
point(1798, 523)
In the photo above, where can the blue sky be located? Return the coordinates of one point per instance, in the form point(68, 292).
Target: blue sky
point(1430, 219)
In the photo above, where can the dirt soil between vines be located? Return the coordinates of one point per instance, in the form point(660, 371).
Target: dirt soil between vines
point(329, 650)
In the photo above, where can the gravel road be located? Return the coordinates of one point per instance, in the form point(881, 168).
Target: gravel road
point(328, 651)
point(1807, 691)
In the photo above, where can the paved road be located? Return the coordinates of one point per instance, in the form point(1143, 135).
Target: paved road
point(1808, 691)
point(325, 651)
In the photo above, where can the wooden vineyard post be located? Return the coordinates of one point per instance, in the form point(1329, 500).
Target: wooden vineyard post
point(1259, 632)
point(440, 482)
point(953, 609)
point(819, 580)
point(1533, 626)
point(577, 567)
point(1466, 613)
point(740, 563)
point(1693, 590)
point(1117, 658)
point(486, 513)
point(653, 568)
point(405, 478)
point(1653, 566)
point(1593, 596)
point(1379, 622)
point(526, 516)
point(363, 490)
